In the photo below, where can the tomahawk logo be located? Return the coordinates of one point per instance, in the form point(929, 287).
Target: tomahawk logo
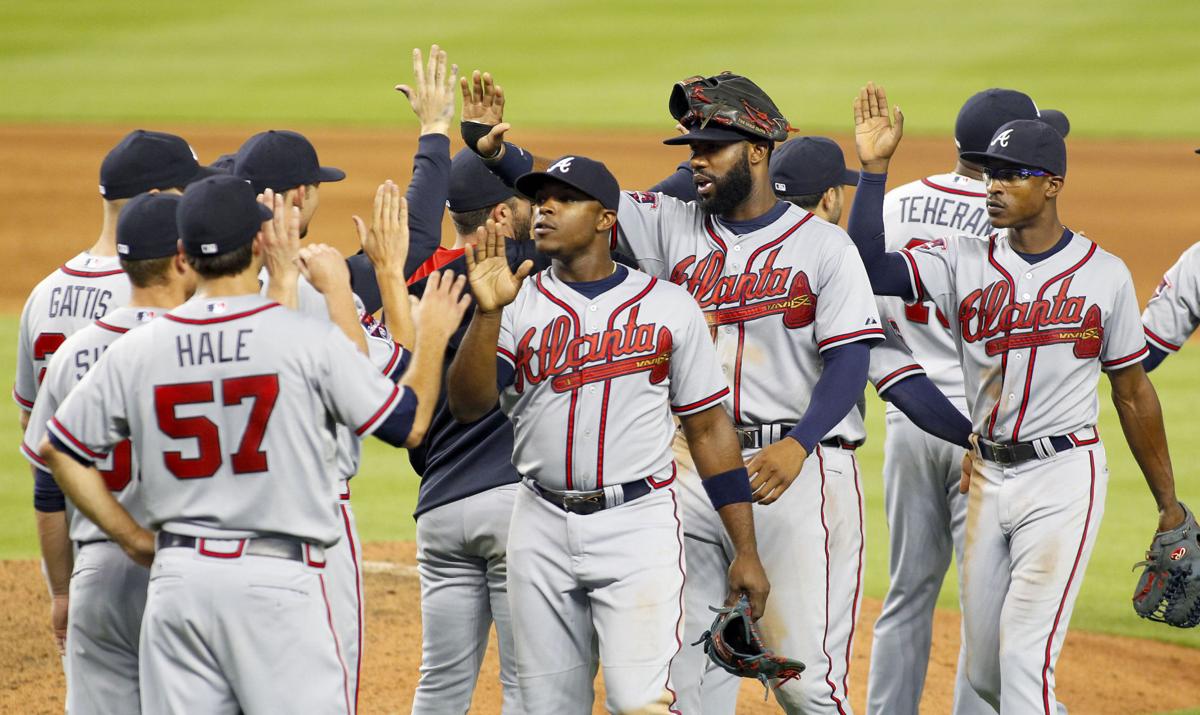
point(1002, 138)
point(561, 166)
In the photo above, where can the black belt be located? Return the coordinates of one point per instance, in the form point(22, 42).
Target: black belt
point(1008, 454)
point(758, 436)
point(81, 544)
point(590, 502)
point(274, 546)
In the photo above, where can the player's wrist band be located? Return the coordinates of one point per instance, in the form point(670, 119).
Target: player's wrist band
point(472, 132)
point(732, 487)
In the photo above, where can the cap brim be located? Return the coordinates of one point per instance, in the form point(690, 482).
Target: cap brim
point(528, 184)
point(204, 172)
point(849, 178)
point(264, 213)
point(709, 133)
point(329, 173)
point(988, 159)
point(1056, 119)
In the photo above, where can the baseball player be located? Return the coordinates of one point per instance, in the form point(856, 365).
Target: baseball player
point(229, 401)
point(1039, 311)
point(926, 512)
point(107, 590)
point(91, 284)
point(788, 303)
point(1173, 312)
point(595, 550)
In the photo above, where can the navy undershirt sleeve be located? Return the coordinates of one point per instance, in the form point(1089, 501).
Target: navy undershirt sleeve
point(678, 185)
point(504, 374)
point(924, 404)
point(47, 495)
point(397, 426)
point(516, 162)
point(1154, 358)
point(62, 447)
point(837, 391)
point(887, 271)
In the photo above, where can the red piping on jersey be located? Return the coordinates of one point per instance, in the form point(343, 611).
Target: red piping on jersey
point(28, 404)
point(32, 455)
point(574, 391)
point(862, 543)
point(693, 406)
point(220, 319)
point(612, 317)
point(848, 336)
point(90, 274)
point(825, 635)
point(1085, 442)
point(380, 412)
point(737, 364)
point(506, 355)
point(882, 384)
point(1033, 351)
point(357, 597)
point(1128, 359)
point(441, 258)
point(713, 235)
point(397, 351)
point(1067, 589)
point(337, 648)
point(1012, 296)
point(918, 289)
point(682, 584)
point(957, 192)
point(116, 329)
point(75, 442)
point(1169, 346)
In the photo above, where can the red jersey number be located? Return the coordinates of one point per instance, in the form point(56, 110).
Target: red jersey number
point(248, 459)
point(919, 312)
point(121, 474)
point(44, 346)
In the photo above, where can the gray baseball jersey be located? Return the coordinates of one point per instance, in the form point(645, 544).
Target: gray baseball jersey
point(931, 208)
point(1033, 336)
point(1173, 312)
point(82, 289)
point(799, 272)
point(593, 378)
point(891, 359)
point(68, 366)
point(223, 397)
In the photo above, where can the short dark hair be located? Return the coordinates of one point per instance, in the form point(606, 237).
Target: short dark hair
point(147, 272)
point(226, 264)
point(468, 222)
point(808, 202)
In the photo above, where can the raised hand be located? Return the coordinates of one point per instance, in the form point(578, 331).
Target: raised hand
point(386, 241)
point(876, 132)
point(324, 267)
point(432, 98)
point(493, 283)
point(441, 308)
point(483, 103)
point(280, 237)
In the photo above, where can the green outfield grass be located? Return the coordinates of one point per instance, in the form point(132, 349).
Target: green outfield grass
point(385, 492)
point(1118, 68)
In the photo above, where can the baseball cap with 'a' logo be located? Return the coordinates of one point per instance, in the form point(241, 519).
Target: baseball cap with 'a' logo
point(588, 175)
point(1024, 142)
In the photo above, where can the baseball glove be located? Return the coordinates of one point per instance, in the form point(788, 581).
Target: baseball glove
point(735, 643)
point(1169, 588)
point(729, 100)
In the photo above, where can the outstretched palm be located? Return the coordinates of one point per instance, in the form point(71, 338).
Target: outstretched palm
point(493, 283)
point(876, 132)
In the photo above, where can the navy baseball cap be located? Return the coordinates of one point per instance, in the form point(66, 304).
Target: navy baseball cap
point(146, 227)
point(473, 185)
point(588, 175)
point(146, 160)
point(710, 132)
point(218, 215)
point(281, 160)
point(986, 111)
point(1025, 142)
point(224, 163)
point(809, 165)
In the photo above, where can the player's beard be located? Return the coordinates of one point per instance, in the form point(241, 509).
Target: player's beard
point(730, 190)
point(522, 226)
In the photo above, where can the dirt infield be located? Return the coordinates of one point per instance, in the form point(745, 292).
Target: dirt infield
point(1135, 198)
point(1096, 673)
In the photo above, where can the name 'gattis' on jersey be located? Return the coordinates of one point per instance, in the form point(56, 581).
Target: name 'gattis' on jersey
point(83, 289)
point(592, 378)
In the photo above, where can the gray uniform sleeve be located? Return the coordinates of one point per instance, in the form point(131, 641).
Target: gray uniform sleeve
point(931, 272)
point(891, 359)
point(1173, 312)
point(94, 416)
point(351, 388)
point(43, 409)
point(697, 382)
point(1124, 337)
point(646, 223)
point(846, 310)
point(25, 387)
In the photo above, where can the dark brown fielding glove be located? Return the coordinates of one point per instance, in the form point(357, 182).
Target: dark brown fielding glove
point(729, 100)
point(1168, 590)
point(735, 643)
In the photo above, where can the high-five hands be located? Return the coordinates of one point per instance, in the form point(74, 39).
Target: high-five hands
point(493, 283)
point(386, 241)
point(483, 104)
point(876, 132)
point(432, 98)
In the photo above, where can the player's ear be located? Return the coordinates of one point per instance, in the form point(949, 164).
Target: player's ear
point(758, 153)
point(1054, 186)
point(608, 219)
point(501, 212)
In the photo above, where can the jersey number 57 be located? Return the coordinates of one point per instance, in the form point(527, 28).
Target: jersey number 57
point(248, 459)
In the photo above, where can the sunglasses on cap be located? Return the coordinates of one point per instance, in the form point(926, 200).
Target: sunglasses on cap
point(1012, 176)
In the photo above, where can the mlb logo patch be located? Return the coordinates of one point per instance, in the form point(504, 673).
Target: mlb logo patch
point(216, 307)
point(145, 316)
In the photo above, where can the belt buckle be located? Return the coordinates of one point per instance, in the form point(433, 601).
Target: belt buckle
point(745, 437)
point(583, 503)
point(1003, 453)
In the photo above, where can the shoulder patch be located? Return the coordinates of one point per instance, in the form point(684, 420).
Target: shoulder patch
point(647, 198)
